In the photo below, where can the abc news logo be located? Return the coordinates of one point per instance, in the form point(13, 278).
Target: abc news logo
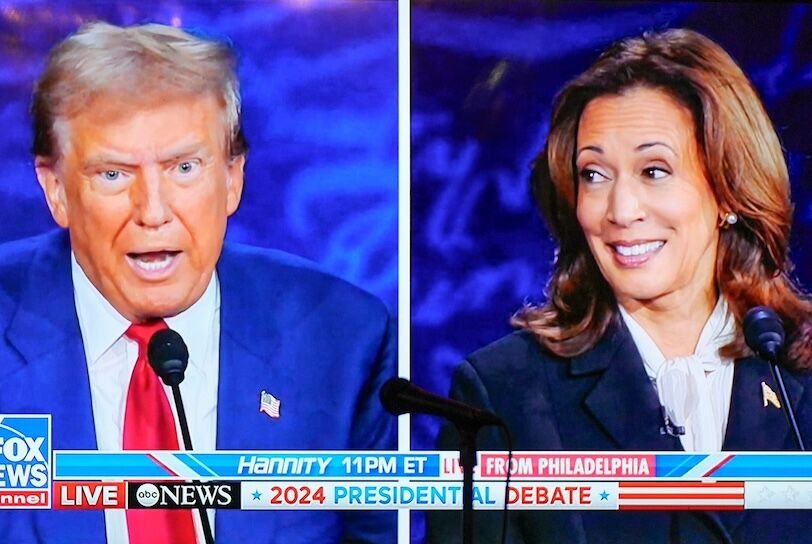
point(184, 495)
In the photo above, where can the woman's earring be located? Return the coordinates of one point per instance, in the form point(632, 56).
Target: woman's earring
point(727, 219)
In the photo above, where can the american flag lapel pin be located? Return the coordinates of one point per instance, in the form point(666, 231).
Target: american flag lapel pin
point(269, 404)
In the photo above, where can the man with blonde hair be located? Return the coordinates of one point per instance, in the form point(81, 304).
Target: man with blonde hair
point(140, 155)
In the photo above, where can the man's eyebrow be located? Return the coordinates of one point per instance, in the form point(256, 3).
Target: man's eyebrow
point(109, 158)
point(196, 148)
point(114, 158)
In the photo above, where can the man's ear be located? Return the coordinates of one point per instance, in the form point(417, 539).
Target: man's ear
point(53, 188)
point(234, 183)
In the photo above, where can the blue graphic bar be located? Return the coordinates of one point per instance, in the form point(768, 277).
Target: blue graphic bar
point(107, 465)
point(774, 465)
point(249, 465)
point(193, 463)
point(676, 465)
point(320, 465)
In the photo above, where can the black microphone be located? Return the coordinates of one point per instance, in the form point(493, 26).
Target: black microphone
point(400, 396)
point(764, 334)
point(168, 356)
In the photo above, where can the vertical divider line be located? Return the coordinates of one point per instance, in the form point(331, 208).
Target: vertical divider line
point(404, 232)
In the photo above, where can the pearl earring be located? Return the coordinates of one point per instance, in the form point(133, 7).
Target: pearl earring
point(729, 218)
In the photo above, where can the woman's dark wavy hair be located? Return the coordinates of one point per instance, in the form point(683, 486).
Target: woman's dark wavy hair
point(742, 158)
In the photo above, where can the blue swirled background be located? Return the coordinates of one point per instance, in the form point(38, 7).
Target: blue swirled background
point(319, 83)
point(484, 75)
point(483, 78)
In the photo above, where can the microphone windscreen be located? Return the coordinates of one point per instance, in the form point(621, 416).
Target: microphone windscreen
point(168, 356)
point(400, 396)
point(763, 331)
point(390, 393)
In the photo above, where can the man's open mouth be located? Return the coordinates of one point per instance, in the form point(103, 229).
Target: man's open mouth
point(153, 261)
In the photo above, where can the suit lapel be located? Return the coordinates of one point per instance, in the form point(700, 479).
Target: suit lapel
point(623, 400)
point(45, 331)
point(51, 376)
point(751, 425)
point(248, 344)
point(249, 340)
point(243, 376)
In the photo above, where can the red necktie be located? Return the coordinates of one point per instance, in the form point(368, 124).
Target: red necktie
point(150, 425)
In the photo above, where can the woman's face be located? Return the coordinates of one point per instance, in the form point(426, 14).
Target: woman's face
point(644, 203)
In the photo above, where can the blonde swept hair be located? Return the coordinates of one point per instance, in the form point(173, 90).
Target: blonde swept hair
point(136, 62)
point(742, 159)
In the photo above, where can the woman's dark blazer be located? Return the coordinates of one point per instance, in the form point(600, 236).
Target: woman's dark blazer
point(603, 400)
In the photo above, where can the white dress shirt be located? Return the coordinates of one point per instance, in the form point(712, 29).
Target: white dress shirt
point(111, 358)
point(695, 390)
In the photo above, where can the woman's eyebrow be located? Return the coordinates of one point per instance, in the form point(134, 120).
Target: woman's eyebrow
point(647, 145)
point(595, 148)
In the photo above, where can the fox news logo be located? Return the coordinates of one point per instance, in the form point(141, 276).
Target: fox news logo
point(25, 461)
point(184, 495)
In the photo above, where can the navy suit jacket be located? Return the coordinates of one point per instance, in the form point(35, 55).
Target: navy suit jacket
point(320, 345)
point(603, 400)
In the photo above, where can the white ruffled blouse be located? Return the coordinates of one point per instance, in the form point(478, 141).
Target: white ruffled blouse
point(695, 390)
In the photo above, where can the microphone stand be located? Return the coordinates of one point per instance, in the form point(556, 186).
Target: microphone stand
point(468, 432)
point(765, 334)
point(789, 413)
point(187, 445)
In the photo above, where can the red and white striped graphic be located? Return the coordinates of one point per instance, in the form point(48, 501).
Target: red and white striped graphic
point(681, 495)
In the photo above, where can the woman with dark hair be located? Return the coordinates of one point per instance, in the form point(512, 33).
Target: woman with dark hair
point(664, 182)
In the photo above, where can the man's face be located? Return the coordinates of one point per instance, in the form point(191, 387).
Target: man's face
point(145, 194)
